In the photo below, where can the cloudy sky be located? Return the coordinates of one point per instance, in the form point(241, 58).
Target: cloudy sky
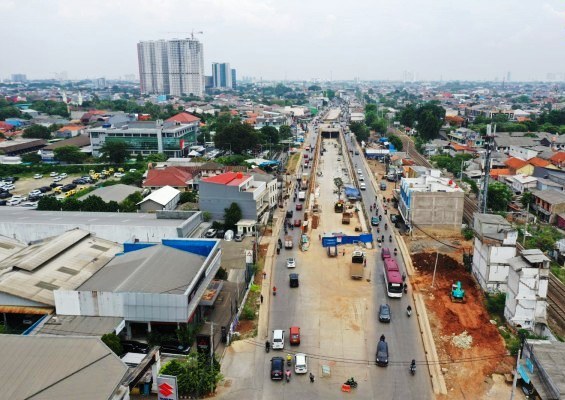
point(292, 39)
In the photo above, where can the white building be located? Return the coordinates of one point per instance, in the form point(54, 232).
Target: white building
point(163, 199)
point(495, 244)
point(521, 183)
point(522, 152)
point(174, 67)
point(526, 299)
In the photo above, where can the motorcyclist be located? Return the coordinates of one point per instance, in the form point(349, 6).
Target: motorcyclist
point(409, 309)
point(267, 345)
point(390, 238)
point(311, 377)
point(382, 338)
point(288, 359)
point(413, 367)
point(274, 290)
point(287, 373)
point(395, 251)
point(386, 226)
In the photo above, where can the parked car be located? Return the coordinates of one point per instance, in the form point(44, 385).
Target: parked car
point(300, 363)
point(79, 181)
point(384, 313)
point(3, 202)
point(175, 348)
point(45, 189)
point(57, 179)
point(53, 174)
point(5, 195)
point(9, 186)
point(132, 346)
point(63, 175)
point(54, 185)
point(239, 237)
point(13, 202)
point(119, 174)
point(37, 176)
point(210, 233)
point(29, 204)
point(35, 192)
point(220, 233)
point(277, 368)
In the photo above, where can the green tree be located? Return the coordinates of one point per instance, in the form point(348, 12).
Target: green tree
point(188, 197)
point(407, 116)
point(527, 198)
point(330, 94)
point(395, 140)
point(132, 178)
point(72, 204)
point(430, 119)
point(113, 342)
point(232, 215)
point(37, 132)
point(499, 196)
point(269, 134)
point(94, 204)
point(314, 88)
point(115, 152)
point(360, 131)
point(371, 108)
point(196, 376)
point(130, 202)
point(69, 154)
point(237, 137)
point(380, 125)
point(49, 203)
point(33, 158)
point(285, 132)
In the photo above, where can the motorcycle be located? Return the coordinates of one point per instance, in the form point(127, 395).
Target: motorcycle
point(288, 360)
point(405, 288)
point(409, 311)
point(386, 227)
point(390, 238)
point(267, 346)
point(274, 291)
point(395, 251)
point(351, 382)
point(413, 367)
point(287, 375)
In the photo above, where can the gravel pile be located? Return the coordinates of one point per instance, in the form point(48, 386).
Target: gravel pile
point(462, 341)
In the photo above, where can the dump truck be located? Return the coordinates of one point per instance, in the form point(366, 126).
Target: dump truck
point(356, 268)
point(288, 242)
point(346, 219)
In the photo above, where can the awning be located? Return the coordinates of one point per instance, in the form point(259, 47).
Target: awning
point(26, 310)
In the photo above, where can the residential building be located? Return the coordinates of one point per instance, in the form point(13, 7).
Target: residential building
point(147, 137)
point(150, 283)
point(494, 244)
point(174, 67)
point(175, 177)
point(19, 78)
point(546, 184)
point(522, 152)
point(521, 183)
point(69, 131)
point(81, 141)
point(526, 296)
point(519, 166)
point(270, 119)
point(222, 75)
point(61, 367)
point(272, 185)
point(548, 204)
point(431, 201)
point(558, 159)
point(466, 137)
point(218, 192)
point(163, 199)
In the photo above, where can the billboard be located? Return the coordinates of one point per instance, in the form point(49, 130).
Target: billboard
point(167, 387)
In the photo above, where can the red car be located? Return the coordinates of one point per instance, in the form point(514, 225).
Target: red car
point(298, 207)
point(297, 222)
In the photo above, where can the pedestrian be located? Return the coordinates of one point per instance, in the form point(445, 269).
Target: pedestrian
point(403, 277)
point(264, 275)
point(344, 252)
point(311, 377)
point(319, 237)
point(364, 262)
point(261, 299)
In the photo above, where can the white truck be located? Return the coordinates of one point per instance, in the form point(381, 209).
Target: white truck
point(301, 196)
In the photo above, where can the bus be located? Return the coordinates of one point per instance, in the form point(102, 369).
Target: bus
point(393, 278)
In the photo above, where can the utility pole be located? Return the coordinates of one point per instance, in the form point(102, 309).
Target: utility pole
point(526, 228)
point(515, 380)
point(435, 268)
point(489, 144)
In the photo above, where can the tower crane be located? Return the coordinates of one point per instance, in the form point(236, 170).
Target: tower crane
point(191, 33)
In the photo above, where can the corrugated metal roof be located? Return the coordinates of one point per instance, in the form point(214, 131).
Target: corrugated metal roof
point(46, 368)
point(162, 196)
point(79, 325)
point(38, 254)
point(155, 269)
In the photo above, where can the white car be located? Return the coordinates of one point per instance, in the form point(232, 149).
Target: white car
point(35, 193)
point(290, 262)
point(13, 202)
point(132, 170)
point(359, 171)
point(362, 186)
point(29, 204)
point(63, 175)
point(119, 174)
point(9, 186)
point(37, 176)
point(58, 179)
point(278, 339)
point(361, 178)
point(300, 363)
point(53, 174)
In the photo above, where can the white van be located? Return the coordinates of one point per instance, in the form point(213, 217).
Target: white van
point(362, 186)
point(278, 339)
point(300, 363)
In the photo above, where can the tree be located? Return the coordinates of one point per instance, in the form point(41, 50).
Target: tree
point(130, 203)
point(49, 203)
point(69, 154)
point(330, 94)
point(113, 342)
point(115, 151)
point(285, 132)
point(232, 215)
point(380, 125)
point(396, 142)
point(188, 197)
point(430, 119)
point(314, 88)
point(132, 178)
point(408, 116)
point(196, 376)
point(360, 131)
point(269, 134)
point(33, 158)
point(37, 132)
point(499, 196)
point(527, 198)
point(237, 137)
point(93, 203)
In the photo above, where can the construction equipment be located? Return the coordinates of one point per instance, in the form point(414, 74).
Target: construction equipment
point(457, 293)
point(338, 207)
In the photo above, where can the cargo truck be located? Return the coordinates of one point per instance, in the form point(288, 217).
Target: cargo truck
point(356, 269)
point(301, 196)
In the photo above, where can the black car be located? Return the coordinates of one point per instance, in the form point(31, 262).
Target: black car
point(78, 181)
point(382, 354)
point(384, 313)
point(55, 184)
point(68, 187)
point(293, 280)
point(5, 195)
point(289, 214)
point(44, 189)
point(132, 346)
point(220, 234)
point(277, 368)
point(33, 198)
point(3, 202)
point(175, 348)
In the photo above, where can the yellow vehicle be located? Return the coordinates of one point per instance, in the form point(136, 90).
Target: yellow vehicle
point(70, 193)
point(120, 170)
point(95, 176)
point(57, 189)
point(91, 172)
point(104, 172)
point(111, 170)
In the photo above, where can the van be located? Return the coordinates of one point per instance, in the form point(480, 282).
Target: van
point(385, 253)
point(294, 335)
point(382, 354)
point(278, 339)
point(383, 185)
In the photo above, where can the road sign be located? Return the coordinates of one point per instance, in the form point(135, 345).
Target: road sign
point(249, 256)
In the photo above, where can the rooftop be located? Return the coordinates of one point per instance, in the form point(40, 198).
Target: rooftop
point(551, 355)
point(228, 178)
point(492, 226)
point(48, 367)
point(162, 196)
point(79, 141)
point(550, 196)
point(113, 193)
point(78, 325)
point(170, 176)
point(155, 269)
point(183, 118)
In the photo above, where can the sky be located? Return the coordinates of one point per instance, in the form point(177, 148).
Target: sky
point(291, 39)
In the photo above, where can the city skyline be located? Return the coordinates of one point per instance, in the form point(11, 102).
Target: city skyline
point(372, 41)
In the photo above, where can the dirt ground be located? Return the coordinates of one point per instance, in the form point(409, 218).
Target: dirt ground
point(379, 170)
point(468, 344)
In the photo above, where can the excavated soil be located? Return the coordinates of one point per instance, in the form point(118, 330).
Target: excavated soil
point(467, 370)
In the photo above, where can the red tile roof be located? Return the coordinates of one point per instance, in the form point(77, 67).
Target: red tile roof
point(538, 162)
point(4, 126)
point(500, 171)
point(171, 176)
point(228, 178)
point(515, 163)
point(558, 157)
point(183, 118)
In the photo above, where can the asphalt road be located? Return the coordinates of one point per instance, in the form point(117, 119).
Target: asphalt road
point(347, 341)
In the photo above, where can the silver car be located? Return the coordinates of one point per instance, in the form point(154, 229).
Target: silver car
point(291, 262)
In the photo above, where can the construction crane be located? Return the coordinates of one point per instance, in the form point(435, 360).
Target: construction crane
point(191, 33)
